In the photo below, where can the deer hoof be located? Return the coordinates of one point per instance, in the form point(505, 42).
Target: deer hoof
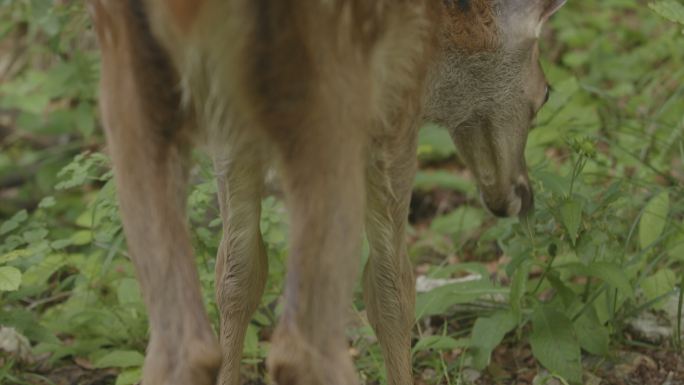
point(293, 361)
point(197, 363)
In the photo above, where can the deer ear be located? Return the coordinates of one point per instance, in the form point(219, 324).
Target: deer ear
point(551, 7)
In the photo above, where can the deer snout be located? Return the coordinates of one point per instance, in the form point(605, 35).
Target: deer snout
point(526, 196)
point(518, 201)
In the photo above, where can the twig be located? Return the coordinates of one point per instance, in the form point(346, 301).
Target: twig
point(43, 301)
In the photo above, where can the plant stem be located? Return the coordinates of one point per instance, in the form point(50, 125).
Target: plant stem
point(678, 332)
point(544, 274)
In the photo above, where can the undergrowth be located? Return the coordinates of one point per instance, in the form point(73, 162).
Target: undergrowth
point(605, 244)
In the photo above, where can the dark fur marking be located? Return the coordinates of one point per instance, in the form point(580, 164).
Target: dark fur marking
point(264, 36)
point(464, 5)
point(156, 78)
point(279, 55)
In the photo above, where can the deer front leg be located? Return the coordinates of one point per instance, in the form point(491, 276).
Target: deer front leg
point(241, 264)
point(389, 288)
point(148, 143)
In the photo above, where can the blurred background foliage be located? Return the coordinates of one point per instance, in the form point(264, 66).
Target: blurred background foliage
point(548, 296)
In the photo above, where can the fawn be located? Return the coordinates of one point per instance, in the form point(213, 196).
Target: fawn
point(332, 93)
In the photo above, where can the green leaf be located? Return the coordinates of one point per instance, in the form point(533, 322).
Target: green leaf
point(128, 292)
point(669, 9)
point(129, 377)
point(554, 343)
point(434, 143)
point(13, 222)
point(566, 294)
point(60, 244)
point(39, 273)
point(85, 219)
point(518, 289)
point(28, 324)
point(458, 222)
point(659, 284)
point(47, 202)
point(571, 216)
point(592, 335)
point(432, 179)
point(440, 300)
point(120, 359)
point(654, 218)
point(553, 182)
point(251, 343)
point(676, 247)
point(488, 332)
point(12, 255)
point(82, 237)
point(611, 274)
point(10, 278)
point(34, 236)
point(439, 343)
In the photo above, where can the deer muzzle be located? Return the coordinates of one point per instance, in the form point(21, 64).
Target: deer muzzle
point(519, 199)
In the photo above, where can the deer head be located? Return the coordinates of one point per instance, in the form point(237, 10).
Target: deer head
point(486, 89)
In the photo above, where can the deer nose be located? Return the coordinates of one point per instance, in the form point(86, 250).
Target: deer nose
point(524, 192)
point(519, 201)
point(501, 212)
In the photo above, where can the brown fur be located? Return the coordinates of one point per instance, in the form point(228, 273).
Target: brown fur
point(472, 25)
point(332, 92)
point(184, 12)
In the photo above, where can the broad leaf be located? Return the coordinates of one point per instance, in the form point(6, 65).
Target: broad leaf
point(554, 343)
point(440, 300)
point(676, 247)
point(610, 273)
point(10, 278)
point(129, 377)
point(571, 215)
point(82, 237)
point(654, 219)
point(592, 335)
point(669, 9)
point(659, 284)
point(488, 332)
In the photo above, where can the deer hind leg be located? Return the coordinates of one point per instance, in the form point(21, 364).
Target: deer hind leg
point(389, 289)
point(321, 146)
point(241, 264)
point(324, 187)
point(148, 141)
